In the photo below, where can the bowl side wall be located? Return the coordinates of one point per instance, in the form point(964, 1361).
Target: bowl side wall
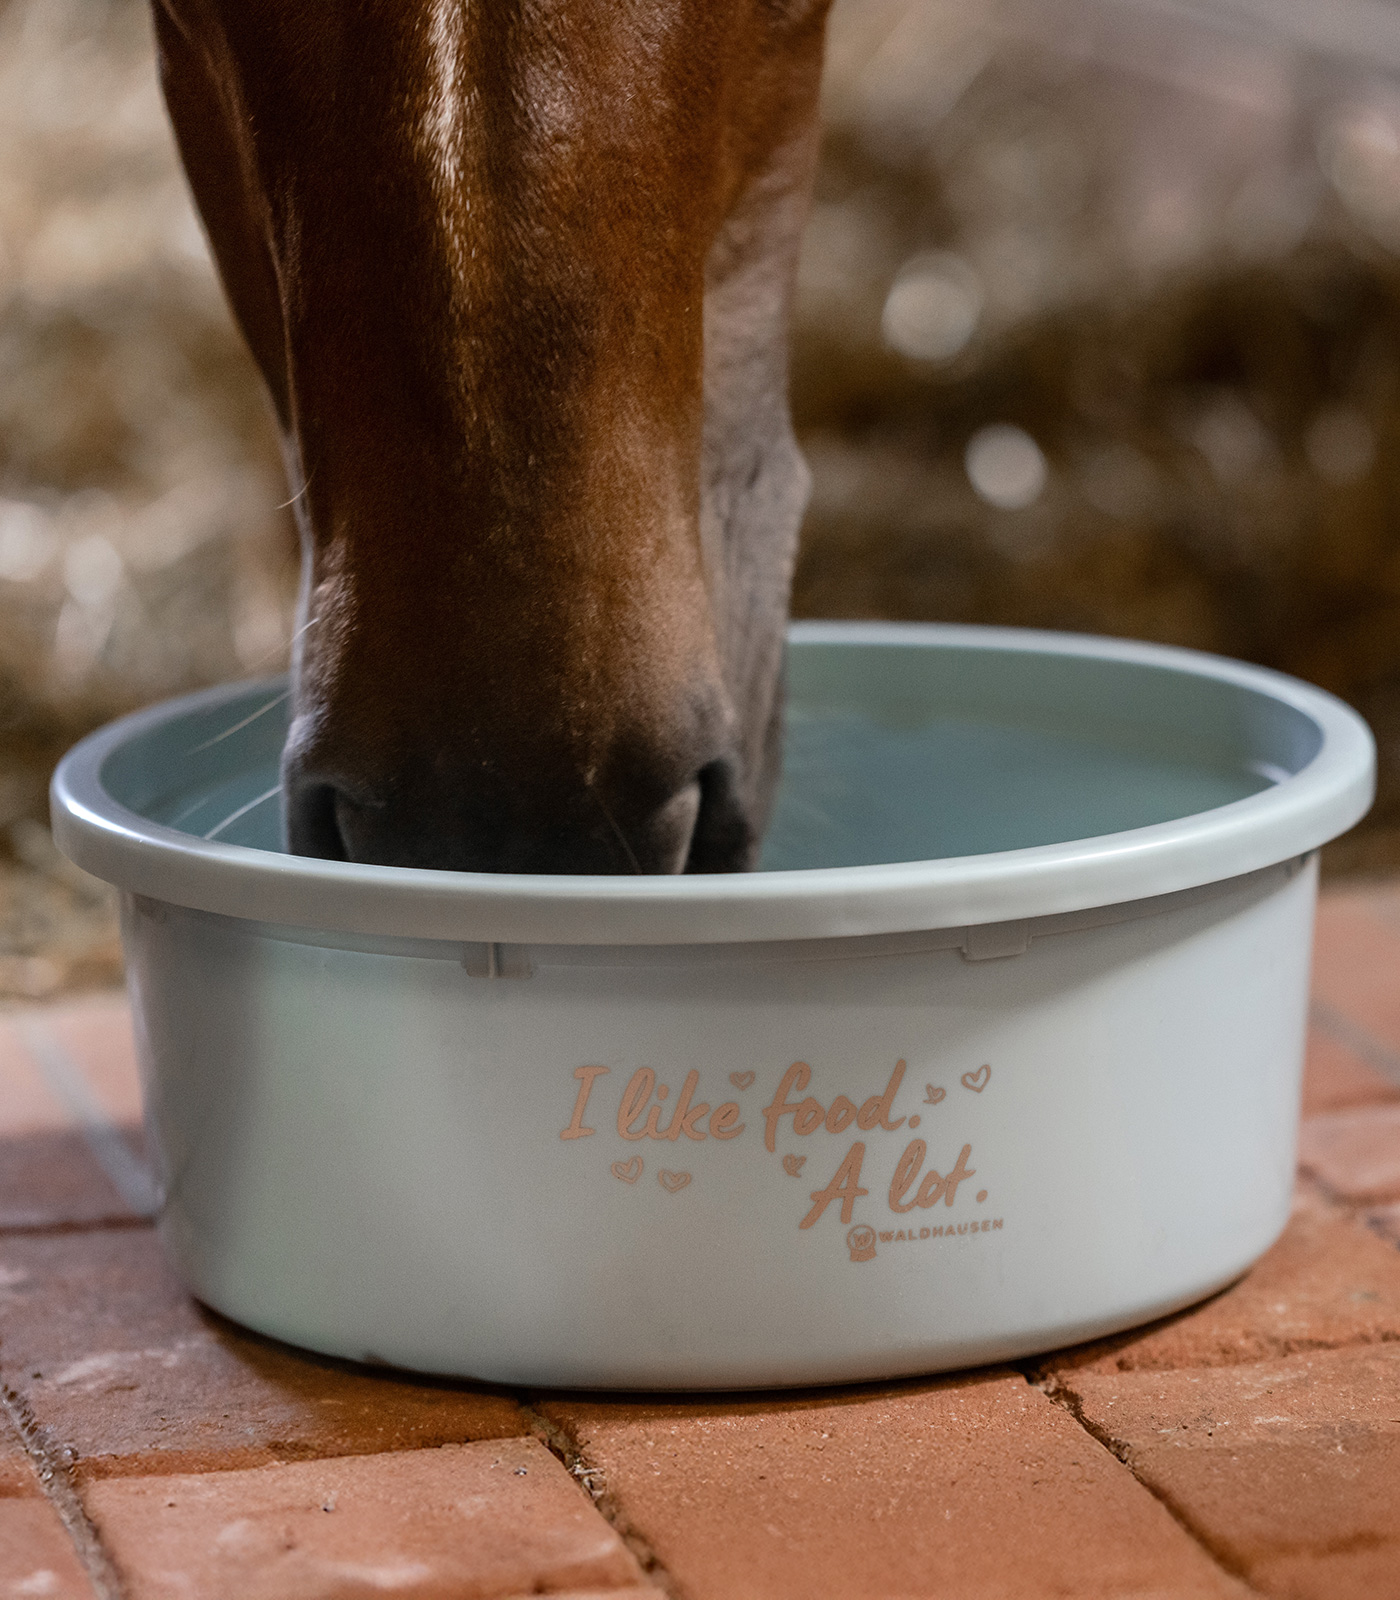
point(387, 1155)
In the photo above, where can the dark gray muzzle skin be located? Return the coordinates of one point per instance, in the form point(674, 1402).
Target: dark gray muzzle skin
point(703, 827)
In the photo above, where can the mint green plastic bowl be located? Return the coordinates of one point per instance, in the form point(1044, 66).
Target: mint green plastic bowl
point(1001, 1050)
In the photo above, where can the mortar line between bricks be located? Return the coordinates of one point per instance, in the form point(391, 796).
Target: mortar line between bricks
point(1363, 1213)
point(56, 1479)
point(1057, 1394)
point(564, 1447)
point(1339, 1027)
point(129, 1175)
point(49, 1230)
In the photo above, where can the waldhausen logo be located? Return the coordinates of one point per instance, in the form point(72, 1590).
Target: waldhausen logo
point(861, 1242)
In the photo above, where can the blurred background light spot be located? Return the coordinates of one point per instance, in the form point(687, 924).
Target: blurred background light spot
point(92, 570)
point(79, 635)
point(932, 308)
point(1231, 438)
point(27, 543)
point(1340, 444)
point(1359, 150)
point(1006, 466)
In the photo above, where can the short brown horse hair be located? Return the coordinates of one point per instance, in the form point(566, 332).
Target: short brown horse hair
point(517, 274)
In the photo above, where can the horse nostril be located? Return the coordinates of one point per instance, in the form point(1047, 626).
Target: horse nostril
point(724, 838)
point(313, 826)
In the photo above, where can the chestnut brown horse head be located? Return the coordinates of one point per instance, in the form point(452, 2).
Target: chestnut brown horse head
point(517, 275)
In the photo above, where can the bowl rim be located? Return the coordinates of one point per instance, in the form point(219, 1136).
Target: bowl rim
point(1324, 798)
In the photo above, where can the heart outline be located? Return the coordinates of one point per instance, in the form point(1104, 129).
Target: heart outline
point(977, 1081)
point(672, 1182)
point(792, 1165)
point(932, 1094)
point(628, 1171)
point(741, 1080)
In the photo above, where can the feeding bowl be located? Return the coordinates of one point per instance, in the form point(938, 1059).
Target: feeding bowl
point(1000, 1049)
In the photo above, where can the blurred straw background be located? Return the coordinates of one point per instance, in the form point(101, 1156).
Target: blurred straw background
point(1098, 328)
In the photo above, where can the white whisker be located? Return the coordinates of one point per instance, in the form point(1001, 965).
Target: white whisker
point(189, 811)
point(239, 726)
point(306, 484)
point(243, 811)
point(277, 649)
point(621, 836)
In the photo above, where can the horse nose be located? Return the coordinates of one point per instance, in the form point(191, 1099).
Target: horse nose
point(312, 810)
point(581, 832)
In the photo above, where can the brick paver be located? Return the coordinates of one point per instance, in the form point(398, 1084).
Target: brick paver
point(112, 1357)
point(49, 1176)
point(485, 1520)
point(1336, 1077)
point(1356, 956)
point(1247, 1444)
point(1356, 1153)
point(36, 1555)
point(1384, 1221)
point(1289, 1470)
point(95, 1031)
point(975, 1486)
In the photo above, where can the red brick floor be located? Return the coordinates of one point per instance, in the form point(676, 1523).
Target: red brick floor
point(150, 1450)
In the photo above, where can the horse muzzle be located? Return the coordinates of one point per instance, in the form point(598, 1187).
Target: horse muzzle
point(497, 826)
